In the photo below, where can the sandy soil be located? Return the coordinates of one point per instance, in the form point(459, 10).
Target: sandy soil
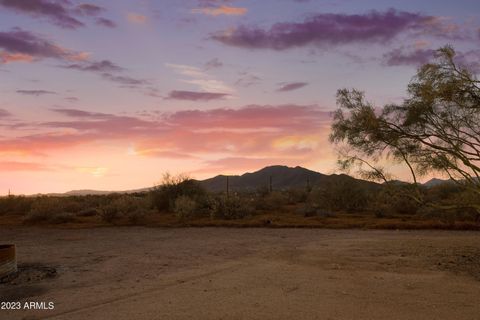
point(218, 273)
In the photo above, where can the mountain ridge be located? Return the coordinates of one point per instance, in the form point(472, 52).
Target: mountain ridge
point(281, 177)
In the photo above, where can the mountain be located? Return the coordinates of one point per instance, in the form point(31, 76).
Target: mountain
point(86, 192)
point(281, 177)
point(435, 182)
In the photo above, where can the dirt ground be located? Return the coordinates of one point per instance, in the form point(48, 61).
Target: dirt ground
point(225, 273)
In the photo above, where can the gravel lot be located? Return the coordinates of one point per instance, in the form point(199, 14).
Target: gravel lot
point(221, 273)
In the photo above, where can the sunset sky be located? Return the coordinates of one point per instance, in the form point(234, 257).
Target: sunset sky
point(109, 95)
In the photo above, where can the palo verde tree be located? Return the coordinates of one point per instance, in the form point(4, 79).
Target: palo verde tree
point(435, 129)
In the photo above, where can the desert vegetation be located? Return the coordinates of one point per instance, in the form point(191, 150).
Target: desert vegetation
point(181, 201)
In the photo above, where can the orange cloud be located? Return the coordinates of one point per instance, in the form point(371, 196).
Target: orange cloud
point(6, 57)
point(237, 139)
point(22, 166)
point(136, 18)
point(222, 10)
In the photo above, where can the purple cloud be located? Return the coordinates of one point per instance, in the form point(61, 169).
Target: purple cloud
point(56, 12)
point(213, 64)
point(195, 96)
point(107, 70)
point(35, 92)
point(88, 9)
point(247, 79)
point(72, 99)
point(212, 3)
point(419, 56)
point(415, 57)
point(96, 66)
point(124, 80)
point(105, 22)
point(75, 113)
point(291, 86)
point(25, 43)
point(4, 113)
point(336, 29)
point(60, 13)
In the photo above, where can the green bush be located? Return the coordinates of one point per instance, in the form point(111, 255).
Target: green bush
point(131, 207)
point(231, 207)
point(184, 207)
point(296, 196)
point(394, 200)
point(341, 195)
point(165, 194)
point(275, 200)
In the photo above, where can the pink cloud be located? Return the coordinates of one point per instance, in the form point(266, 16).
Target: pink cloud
point(22, 166)
point(136, 18)
point(221, 10)
point(266, 130)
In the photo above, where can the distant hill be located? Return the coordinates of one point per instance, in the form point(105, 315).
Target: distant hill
point(282, 177)
point(435, 182)
point(96, 192)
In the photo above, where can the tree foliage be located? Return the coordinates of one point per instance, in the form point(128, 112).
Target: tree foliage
point(435, 129)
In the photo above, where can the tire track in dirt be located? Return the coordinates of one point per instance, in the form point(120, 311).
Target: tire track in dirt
point(137, 294)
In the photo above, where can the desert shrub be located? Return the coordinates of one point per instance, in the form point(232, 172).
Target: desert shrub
point(307, 210)
point(47, 205)
point(165, 194)
point(34, 217)
point(15, 205)
point(394, 200)
point(63, 217)
point(272, 201)
point(296, 196)
point(88, 212)
point(231, 207)
point(262, 191)
point(128, 206)
point(71, 204)
point(443, 192)
point(49, 210)
point(109, 213)
point(341, 195)
point(184, 207)
point(310, 210)
point(205, 204)
point(136, 217)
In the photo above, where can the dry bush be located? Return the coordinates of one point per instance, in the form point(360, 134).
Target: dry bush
point(88, 212)
point(136, 217)
point(49, 210)
point(15, 205)
point(131, 207)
